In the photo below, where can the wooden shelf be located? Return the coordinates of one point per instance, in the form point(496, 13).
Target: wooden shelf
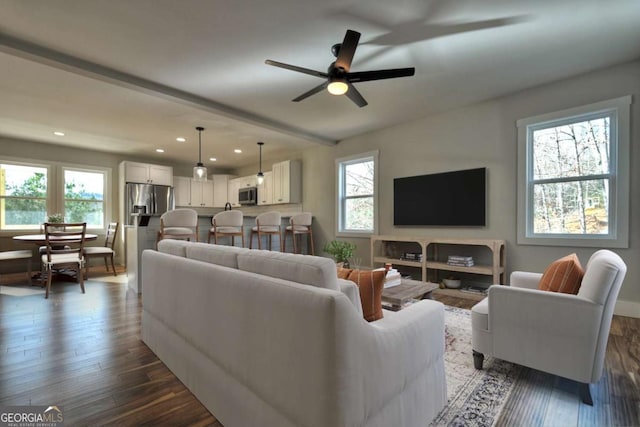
point(381, 248)
point(397, 261)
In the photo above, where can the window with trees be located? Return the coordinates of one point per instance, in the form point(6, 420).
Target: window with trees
point(357, 184)
point(575, 176)
point(30, 192)
point(23, 196)
point(84, 197)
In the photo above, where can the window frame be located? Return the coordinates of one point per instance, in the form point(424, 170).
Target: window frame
point(341, 199)
point(618, 110)
point(55, 189)
point(62, 200)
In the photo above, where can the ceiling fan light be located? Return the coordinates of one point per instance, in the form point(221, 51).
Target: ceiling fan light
point(338, 87)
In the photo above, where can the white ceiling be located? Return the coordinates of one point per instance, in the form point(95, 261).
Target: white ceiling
point(130, 76)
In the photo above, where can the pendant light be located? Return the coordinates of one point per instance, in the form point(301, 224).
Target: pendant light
point(260, 174)
point(199, 171)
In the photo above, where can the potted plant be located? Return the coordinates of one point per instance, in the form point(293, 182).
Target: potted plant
point(55, 218)
point(340, 250)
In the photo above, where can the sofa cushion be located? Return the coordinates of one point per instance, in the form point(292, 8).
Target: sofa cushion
point(371, 284)
point(343, 273)
point(563, 275)
point(306, 269)
point(226, 256)
point(174, 247)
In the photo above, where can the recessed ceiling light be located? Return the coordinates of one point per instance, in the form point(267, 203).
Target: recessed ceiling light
point(58, 133)
point(237, 150)
point(213, 159)
point(181, 139)
point(159, 150)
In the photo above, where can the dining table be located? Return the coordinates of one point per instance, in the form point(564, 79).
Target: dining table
point(41, 239)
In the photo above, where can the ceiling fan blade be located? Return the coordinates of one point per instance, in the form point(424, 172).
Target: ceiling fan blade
point(347, 49)
point(311, 92)
point(365, 76)
point(295, 68)
point(355, 96)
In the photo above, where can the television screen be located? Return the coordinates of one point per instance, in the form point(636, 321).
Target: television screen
point(449, 198)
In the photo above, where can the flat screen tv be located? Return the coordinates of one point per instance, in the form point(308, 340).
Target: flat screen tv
point(455, 198)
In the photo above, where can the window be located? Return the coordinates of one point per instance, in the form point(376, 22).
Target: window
point(23, 196)
point(84, 197)
point(573, 169)
point(357, 185)
point(29, 192)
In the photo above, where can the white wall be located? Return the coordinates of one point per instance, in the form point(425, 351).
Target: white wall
point(482, 135)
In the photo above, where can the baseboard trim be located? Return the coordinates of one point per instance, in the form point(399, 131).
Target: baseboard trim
point(627, 308)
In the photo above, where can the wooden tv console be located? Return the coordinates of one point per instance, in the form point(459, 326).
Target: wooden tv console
point(384, 249)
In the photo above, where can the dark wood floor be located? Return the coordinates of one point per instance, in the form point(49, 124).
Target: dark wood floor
point(83, 352)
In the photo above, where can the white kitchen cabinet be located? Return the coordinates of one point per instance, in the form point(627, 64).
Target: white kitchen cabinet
point(265, 191)
point(221, 189)
point(234, 186)
point(188, 192)
point(182, 190)
point(147, 173)
point(287, 182)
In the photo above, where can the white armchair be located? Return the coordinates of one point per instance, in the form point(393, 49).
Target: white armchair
point(562, 334)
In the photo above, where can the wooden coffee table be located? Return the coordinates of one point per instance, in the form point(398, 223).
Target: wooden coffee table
point(398, 296)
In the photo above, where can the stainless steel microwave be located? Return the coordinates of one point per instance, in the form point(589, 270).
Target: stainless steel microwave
point(248, 196)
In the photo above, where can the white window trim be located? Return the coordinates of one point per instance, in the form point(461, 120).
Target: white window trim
point(106, 184)
point(55, 188)
point(619, 208)
point(339, 184)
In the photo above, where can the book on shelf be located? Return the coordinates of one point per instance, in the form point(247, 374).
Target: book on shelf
point(412, 256)
point(460, 261)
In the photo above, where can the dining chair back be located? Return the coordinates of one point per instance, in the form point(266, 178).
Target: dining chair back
point(227, 223)
point(105, 251)
point(267, 224)
point(56, 256)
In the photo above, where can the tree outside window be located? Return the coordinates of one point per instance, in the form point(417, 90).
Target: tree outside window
point(23, 196)
point(356, 194)
point(573, 183)
point(84, 197)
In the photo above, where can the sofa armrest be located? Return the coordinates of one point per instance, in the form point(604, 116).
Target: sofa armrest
point(395, 350)
point(351, 290)
point(550, 331)
point(525, 279)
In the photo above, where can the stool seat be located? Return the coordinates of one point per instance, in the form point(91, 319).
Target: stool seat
point(299, 224)
point(226, 229)
point(227, 224)
point(267, 224)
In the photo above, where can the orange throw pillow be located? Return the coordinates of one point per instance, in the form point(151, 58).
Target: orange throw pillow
point(563, 275)
point(371, 284)
point(343, 273)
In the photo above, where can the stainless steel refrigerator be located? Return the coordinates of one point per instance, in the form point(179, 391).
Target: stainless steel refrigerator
point(147, 199)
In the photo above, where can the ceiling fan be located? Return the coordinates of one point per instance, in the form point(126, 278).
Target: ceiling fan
point(339, 80)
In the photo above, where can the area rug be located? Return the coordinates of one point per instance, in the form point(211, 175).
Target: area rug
point(474, 398)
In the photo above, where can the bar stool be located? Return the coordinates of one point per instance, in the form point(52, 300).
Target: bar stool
point(267, 224)
point(299, 224)
point(227, 223)
point(179, 224)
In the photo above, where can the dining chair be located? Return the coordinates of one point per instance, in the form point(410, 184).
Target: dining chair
point(227, 223)
point(179, 224)
point(267, 224)
point(72, 258)
point(105, 251)
point(299, 224)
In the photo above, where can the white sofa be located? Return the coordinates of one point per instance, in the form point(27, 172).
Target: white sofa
point(270, 339)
